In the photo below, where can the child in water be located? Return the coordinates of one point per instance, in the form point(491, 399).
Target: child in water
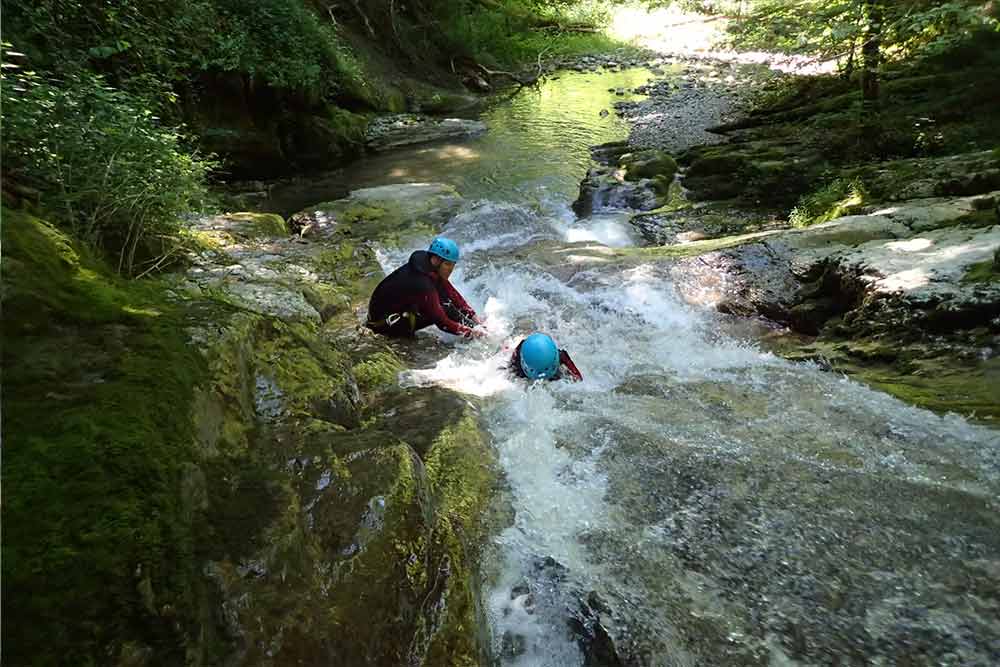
point(537, 357)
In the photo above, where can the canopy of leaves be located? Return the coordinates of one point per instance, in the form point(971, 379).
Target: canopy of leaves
point(148, 44)
point(835, 28)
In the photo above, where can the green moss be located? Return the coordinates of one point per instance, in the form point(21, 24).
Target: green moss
point(351, 267)
point(649, 164)
point(977, 219)
point(327, 300)
point(313, 376)
point(461, 474)
point(362, 212)
point(836, 199)
point(393, 215)
point(694, 248)
point(260, 225)
point(717, 164)
point(241, 450)
point(348, 125)
point(982, 272)
point(377, 370)
point(944, 386)
point(98, 387)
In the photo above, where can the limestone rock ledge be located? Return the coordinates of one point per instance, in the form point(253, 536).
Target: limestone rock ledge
point(907, 293)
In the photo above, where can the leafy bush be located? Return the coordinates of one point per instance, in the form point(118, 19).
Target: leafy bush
point(104, 165)
point(835, 28)
point(280, 41)
point(511, 33)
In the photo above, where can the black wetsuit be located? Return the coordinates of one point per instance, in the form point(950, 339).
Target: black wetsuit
point(414, 296)
point(564, 362)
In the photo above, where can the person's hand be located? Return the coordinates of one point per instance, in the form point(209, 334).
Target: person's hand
point(476, 333)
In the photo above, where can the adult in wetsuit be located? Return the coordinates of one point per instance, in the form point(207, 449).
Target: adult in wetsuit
point(418, 294)
point(537, 357)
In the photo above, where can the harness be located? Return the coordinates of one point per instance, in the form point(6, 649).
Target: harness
point(392, 319)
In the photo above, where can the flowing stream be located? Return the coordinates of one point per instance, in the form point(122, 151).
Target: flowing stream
point(695, 500)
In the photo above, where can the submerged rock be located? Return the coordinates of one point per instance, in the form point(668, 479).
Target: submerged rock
point(388, 132)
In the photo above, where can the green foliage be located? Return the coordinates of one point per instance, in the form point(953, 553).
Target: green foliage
point(105, 166)
point(281, 42)
point(837, 198)
point(515, 32)
point(835, 28)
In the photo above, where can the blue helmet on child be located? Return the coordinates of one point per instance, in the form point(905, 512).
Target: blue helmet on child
point(444, 248)
point(539, 357)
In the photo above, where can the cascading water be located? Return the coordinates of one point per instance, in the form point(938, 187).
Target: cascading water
point(694, 501)
point(694, 497)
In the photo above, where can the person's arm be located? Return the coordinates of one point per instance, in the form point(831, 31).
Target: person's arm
point(459, 301)
point(430, 306)
point(574, 372)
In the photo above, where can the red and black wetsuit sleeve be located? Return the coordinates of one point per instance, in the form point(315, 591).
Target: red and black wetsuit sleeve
point(571, 368)
point(429, 304)
point(457, 300)
point(515, 362)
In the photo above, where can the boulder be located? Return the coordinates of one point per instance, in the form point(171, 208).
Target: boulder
point(607, 188)
point(652, 163)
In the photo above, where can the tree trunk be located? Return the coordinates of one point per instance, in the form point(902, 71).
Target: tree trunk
point(871, 63)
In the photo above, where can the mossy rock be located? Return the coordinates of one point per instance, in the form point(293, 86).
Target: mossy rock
point(99, 384)
point(312, 377)
point(258, 225)
point(213, 479)
point(717, 165)
point(654, 163)
point(984, 272)
point(720, 187)
point(347, 125)
point(326, 300)
point(377, 371)
point(370, 557)
point(939, 382)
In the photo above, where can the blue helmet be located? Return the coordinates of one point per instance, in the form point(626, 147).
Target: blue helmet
point(539, 357)
point(444, 248)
